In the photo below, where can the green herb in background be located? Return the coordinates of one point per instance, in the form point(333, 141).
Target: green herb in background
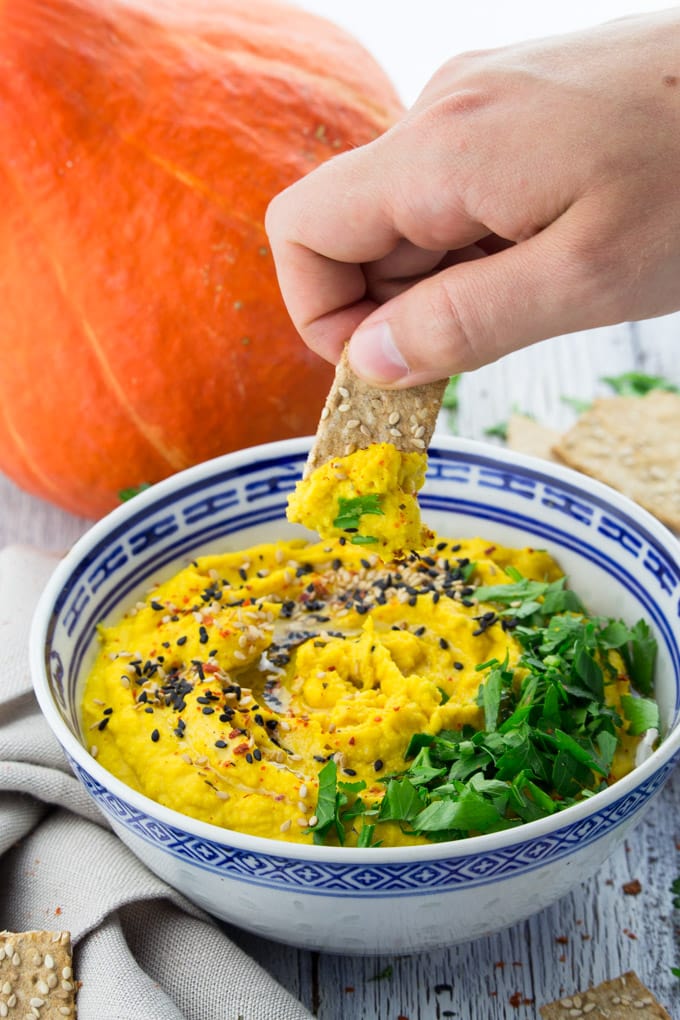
point(499, 431)
point(637, 384)
point(675, 889)
point(386, 972)
point(580, 406)
point(125, 494)
point(450, 401)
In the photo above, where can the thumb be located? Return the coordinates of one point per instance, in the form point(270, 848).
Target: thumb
point(475, 312)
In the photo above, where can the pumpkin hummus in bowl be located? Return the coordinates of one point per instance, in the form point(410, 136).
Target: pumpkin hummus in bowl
point(356, 750)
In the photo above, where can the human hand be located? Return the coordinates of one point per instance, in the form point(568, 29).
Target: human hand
point(530, 191)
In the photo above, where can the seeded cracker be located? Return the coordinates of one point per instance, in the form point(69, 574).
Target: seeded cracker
point(36, 975)
point(632, 444)
point(528, 436)
point(356, 415)
point(623, 998)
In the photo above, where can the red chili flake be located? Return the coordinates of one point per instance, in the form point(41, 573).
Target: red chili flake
point(234, 733)
point(351, 741)
point(500, 964)
point(57, 910)
point(632, 888)
point(210, 667)
point(515, 1000)
point(562, 958)
point(585, 938)
point(630, 934)
point(492, 548)
point(349, 988)
point(242, 748)
point(562, 939)
point(378, 718)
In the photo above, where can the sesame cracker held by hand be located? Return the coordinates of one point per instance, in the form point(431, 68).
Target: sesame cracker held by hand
point(357, 415)
point(36, 975)
point(623, 998)
point(632, 444)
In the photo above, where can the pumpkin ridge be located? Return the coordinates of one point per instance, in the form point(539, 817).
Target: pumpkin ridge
point(174, 462)
point(42, 481)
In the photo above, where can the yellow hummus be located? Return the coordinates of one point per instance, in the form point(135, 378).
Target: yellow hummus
point(225, 692)
point(368, 497)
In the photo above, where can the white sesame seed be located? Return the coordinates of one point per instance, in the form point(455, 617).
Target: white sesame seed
point(324, 413)
point(353, 423)
point(36, 1001)
point(66, 972)
point(52, 980)
point(12, 1001)
point(344, 408)
point(419, 443)
point(3, 1009)
point(9, 950)
point(65, 1010)
point(222, 795)
point(364, 429)
point(395, 433)
point(302, 822)
point(344, 392)
point(67, 986)
point(7, 988)
point(393, 418)
point(16, 960)
point(285, 826)
point(42, 987)
point(303, 791)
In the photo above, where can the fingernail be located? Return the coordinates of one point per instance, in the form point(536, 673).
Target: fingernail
point(374, 355)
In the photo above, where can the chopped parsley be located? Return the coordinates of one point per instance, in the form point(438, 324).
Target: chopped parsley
point(549, 735)
point(637, 384)
point(125, 494)
point(350, 511)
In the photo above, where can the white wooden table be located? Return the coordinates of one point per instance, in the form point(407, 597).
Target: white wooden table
point(598, 931)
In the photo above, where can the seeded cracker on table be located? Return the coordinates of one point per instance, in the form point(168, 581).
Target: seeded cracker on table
point(632, 444)
point(356, 415)
point(623, 998)
point(36, 975)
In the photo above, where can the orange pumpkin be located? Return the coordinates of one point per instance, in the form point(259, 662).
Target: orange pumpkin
point(142, 329)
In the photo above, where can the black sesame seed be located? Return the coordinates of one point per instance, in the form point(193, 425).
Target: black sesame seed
point(443, 643)
point(220, 743)
point(258, 719)
point(243, 573)
point(203, 635)
point(249, 758)
point(257, 754)
point(378, 764)
point(104, 723)
point(156, 605)
point(149, 710)
point(207, 710)
point(459, 665)
point(182, 640)
point(350, 772)
point(107, 711)
point(155, 736)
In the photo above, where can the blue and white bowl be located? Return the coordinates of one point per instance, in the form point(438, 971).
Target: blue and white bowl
point(349, 900)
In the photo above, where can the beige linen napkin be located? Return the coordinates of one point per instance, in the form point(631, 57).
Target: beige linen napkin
point(141, 949)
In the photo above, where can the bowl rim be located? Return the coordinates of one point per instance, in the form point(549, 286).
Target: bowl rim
point(265, 846)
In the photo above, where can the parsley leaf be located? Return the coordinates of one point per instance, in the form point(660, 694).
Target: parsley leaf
point(351, 510)
point(125, 494)
point(637, 384)
point(640, 657)
point(641, 713)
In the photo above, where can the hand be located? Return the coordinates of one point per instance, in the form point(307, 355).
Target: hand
point(531, 191)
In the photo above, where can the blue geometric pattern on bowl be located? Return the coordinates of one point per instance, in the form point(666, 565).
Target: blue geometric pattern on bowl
point(370, 880)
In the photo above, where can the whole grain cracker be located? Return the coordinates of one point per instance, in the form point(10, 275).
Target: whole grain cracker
point(357, 414)
point(632, 444)
point(623, 998)
point(36, 975)
point(525, 435)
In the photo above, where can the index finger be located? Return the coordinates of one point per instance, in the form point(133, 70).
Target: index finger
point(354, 210)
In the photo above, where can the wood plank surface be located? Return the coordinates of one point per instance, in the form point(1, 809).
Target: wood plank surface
point(599, 930)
